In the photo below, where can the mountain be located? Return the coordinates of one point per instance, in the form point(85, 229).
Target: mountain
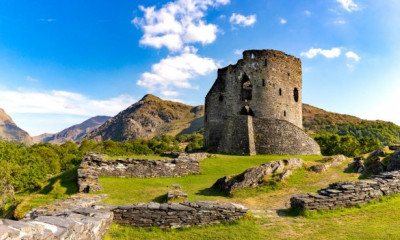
point(318, 120)
point(74, 133)
point(150, 117)
point(9, 131)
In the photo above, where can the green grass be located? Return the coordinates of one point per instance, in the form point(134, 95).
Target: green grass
point(58, 187)
point(147, 157)
point(133, 190)
point(377, 220)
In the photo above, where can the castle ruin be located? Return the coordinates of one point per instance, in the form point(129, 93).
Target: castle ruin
point(254, 107)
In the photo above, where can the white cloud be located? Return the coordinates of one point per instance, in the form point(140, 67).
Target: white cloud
point(31, 79)
point(243, 21)
point(61, 102)
point(176, 71)
point(328, 53)
point(177, 23)
point(283, 21)
point(307, 12)
point(353, 55)
point(340, 22)
point(349, 5)
point(238, 52)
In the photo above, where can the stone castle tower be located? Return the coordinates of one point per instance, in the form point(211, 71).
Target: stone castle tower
point(254, 107)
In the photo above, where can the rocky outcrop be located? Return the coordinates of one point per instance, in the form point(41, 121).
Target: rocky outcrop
point(70, 219)
point(75, 133)
point(177, 215)
point(10, 132)
point(327, 162)
point(253, 177)
point(93, 166)
point(348, 194)
point(381, 160)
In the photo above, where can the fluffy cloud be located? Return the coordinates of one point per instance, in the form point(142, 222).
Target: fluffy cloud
point(283, 21)
point(243, 21)
point(177, 23)
point(349, 5)
point(353, 55)
point(61, 102)
point(176, 71)
point(328, 53)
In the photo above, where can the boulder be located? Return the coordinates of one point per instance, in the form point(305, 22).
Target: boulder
point(253, 177)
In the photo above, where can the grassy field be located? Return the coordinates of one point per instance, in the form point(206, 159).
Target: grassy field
point(377, 220)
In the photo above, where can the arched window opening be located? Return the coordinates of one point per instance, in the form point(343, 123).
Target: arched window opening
point(246, 110)
point(252, 56)
point(284, 113)
point(280, 91)
point(247, 88)
point(296, 94)
point(288, 74)
point(221, 98)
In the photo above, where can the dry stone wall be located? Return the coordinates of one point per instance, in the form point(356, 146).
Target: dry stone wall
point(177, 215)
point(93, 165)
point(70, 219)
point(348, 194)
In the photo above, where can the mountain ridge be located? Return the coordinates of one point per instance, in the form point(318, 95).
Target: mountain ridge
point(9, 131)
point(74, 133)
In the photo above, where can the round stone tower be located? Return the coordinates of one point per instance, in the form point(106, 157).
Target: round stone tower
point(265, 84)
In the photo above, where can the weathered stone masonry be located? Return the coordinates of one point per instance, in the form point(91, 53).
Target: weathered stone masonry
point(70, 219)
point(348, 194)
point(177, 215)
point(254, 107)
point(93, 166)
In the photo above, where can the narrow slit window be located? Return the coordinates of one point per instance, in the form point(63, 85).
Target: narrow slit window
point(280, 91)
point(284, 113)
point(296, 94)
point(263, 82)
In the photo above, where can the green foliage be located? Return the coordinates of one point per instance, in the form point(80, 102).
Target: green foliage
point(332, 144)
point(386, 132)
point(26, 167)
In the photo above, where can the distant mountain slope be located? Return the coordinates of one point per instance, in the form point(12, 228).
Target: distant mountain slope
point(150, 117)
point(74, 133)
point(10, 132)
point(153, 116)
point(316, 120)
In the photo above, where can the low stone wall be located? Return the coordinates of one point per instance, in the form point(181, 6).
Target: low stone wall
point(177, 215)
point(73, 218)
point(93, 166)
point(348, 194)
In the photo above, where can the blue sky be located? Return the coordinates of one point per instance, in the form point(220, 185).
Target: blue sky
point(62, 62)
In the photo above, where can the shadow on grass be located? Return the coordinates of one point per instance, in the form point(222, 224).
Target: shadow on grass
point(212, 192)
point(160, 199)
point(68, 180)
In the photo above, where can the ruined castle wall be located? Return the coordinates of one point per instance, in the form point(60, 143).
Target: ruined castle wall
point(93, 166)
point(177, 215)
point(235, 138)
point(281, 137)
point(348, 194)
